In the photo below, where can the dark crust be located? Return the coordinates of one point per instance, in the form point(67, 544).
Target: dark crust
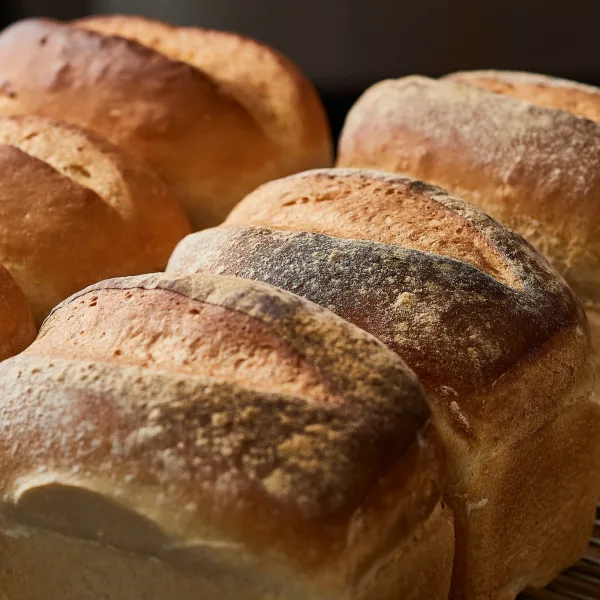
point(535, 168)
point(274, 471)
point(454, 325)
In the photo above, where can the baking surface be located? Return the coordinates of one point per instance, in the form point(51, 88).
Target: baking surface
point(581, 582)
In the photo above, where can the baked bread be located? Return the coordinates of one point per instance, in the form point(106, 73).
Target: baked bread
point(577, 98)
point(17, 329)
point(535, 168)
point(216, 114)
point(74, 209)
point(211, 437)
point(495, 335)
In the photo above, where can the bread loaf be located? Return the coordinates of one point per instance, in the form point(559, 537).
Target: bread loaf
point(495, 335)
point(210, 437)
point(577, 98)
point(216, 114)
point(535, 168)
point(17, 329)
point(74, 209)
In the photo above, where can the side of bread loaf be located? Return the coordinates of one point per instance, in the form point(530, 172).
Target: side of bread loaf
point(212, 124)
point(74, 209)
point(221, 437)
point(495, 334)
point(17, 329)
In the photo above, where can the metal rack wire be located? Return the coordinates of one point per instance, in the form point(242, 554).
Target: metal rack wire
point(580, 582)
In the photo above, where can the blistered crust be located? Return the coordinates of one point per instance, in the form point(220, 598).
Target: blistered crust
point(466, 302)
point(447, 319)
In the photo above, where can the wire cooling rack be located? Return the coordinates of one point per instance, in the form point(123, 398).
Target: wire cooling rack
point(581, 582)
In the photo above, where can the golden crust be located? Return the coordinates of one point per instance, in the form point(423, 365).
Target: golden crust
point(291, 466)
point(496, 336)
point(75, 209)
point(203, 126)
point(440, 291)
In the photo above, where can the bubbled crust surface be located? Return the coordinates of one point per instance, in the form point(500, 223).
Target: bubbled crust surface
point(210, 142)
point(271, 459)
point(465, 301)
point(534, 168)
point(579, 99)
point(75, 209)
point(17, 329)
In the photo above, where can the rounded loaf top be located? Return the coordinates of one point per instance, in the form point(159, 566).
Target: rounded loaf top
point(75, 209)
point(580, 99)
point(216, 407)
point(216, 114)
point(464, 300)
point(533, 167)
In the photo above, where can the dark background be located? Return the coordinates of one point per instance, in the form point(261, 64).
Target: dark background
point(346, 45)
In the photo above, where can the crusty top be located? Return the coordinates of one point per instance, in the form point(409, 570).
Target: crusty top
point(17, 329)
point(465, 301)
point(75, 209)
point(534, 168)
point(227, 412)
point(577, 98)
point(214, 120)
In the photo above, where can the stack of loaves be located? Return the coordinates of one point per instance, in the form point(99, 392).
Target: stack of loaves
point(357, 387)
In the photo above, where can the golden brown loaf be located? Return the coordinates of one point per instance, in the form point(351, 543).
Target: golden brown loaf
point(74, 209)
point(199, 436)
point(17, 329)
point(535, 168)
point(493, 332)
point(216, 114)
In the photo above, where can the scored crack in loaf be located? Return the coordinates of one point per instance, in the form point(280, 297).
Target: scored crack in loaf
point(212, 436)
point(216, 114)
point(526, 155)
point(17, 329)
point(495, 335)
point(74, 209)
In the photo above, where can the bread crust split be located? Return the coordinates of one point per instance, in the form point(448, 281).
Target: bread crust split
point(74, 209)
point(495, 335)
point(199, 434)
point(214, 113)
